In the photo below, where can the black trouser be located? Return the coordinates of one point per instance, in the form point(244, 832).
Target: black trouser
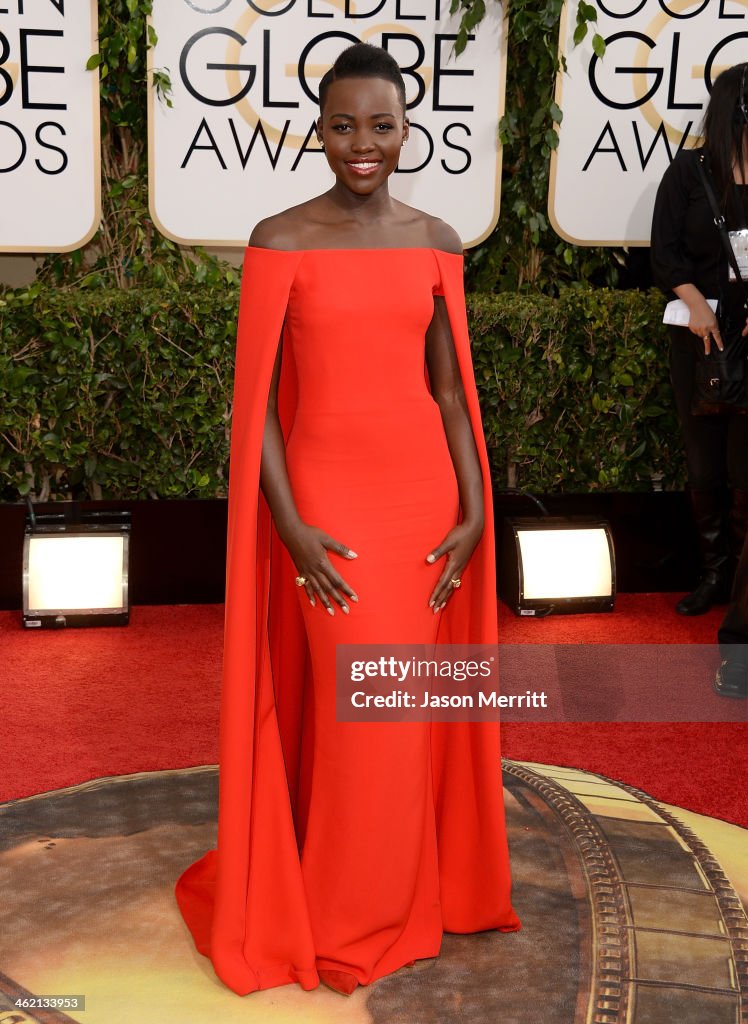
point(716, 446)
point(734, 627)
point(717, 457)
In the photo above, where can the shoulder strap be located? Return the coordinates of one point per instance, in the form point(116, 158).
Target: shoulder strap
point(719, 221)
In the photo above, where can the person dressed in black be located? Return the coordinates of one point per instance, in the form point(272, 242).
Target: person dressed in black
point(689, 263)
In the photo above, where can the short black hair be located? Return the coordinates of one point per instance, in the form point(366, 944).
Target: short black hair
point(363, 60)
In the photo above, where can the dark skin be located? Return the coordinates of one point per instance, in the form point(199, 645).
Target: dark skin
point(364, 123)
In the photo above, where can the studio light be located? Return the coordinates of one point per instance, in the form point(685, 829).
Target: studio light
point(75, 572)
point(552, 564)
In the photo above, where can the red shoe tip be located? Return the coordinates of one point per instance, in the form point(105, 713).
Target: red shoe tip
point(340, 981)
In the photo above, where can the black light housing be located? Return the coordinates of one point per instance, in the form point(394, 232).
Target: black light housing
point(75, 570)
point(557, 564)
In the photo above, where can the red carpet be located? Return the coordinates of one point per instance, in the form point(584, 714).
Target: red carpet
point(637, 619)
point(698, 765)
point(82, 704)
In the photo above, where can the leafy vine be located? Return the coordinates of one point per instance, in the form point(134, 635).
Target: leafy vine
point(127, 250)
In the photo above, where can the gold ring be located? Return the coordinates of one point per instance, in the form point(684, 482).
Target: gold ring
point(456, 582)
point(301, 581)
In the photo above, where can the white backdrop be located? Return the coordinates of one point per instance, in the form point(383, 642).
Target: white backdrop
point(238, 144)
point(50, 182)
point(626, 115)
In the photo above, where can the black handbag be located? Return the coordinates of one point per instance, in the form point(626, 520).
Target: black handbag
point(721, 382)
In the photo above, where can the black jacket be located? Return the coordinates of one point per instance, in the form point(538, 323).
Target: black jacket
point(686, 246)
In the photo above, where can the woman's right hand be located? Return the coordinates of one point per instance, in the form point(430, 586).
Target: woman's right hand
point(308, 547)
point(703, 323)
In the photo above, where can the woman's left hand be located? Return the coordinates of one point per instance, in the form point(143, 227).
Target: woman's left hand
point(458, 545)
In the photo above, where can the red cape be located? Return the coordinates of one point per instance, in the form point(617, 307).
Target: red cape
point(244, 902)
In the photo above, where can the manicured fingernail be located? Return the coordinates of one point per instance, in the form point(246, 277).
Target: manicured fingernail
point(312, 602)
point(331, 611)
point(345, 608)
point(352, 554)
point(431, 603)
point(429, 558)
point(354, 597)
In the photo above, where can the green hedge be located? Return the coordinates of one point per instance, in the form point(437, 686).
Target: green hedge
point(126, 394)
point(575, 391)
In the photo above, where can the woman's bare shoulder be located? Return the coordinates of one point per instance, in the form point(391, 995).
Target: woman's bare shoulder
point(283, 230)
point(429, 231)
point(444, 236)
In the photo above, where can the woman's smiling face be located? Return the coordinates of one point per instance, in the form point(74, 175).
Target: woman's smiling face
point(363, 127)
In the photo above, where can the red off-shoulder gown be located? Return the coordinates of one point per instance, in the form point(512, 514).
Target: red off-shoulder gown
point(347, 845)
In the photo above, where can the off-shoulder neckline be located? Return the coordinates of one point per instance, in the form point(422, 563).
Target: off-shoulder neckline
point(391, 248)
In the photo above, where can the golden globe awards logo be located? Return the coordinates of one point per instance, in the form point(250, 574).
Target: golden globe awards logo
point(627, 114)
point(239, 142)
point(49, 125)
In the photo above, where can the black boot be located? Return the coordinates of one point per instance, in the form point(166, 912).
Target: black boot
point(732, 675)
point(715, 583)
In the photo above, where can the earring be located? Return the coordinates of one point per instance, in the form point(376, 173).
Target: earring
point(321, 143)
point(403, 142)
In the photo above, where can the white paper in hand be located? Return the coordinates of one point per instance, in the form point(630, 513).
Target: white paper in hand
point(678, 313)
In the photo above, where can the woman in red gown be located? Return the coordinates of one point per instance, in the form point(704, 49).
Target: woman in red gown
point(360, 495)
